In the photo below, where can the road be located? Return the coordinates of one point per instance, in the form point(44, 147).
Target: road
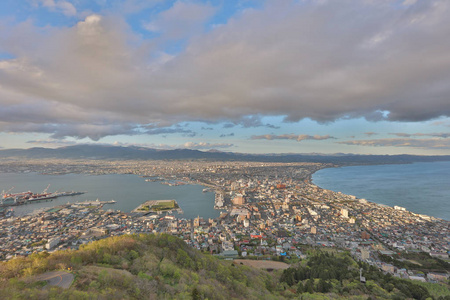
point(57, 278)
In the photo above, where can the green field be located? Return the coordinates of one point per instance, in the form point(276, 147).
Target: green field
point(161, 206)
point(165, 206)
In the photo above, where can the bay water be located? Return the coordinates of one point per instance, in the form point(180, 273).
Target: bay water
point(422, 188)
point(129, 191)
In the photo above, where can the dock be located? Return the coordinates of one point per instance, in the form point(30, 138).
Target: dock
point(94, 203)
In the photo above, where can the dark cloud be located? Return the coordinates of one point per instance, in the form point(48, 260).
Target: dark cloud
point(272, 126)
point(79, 131)
point(92, 131)
point(323, 60)
point(370, 133)
point(226, 135)
point(155, 131)
point(249, 122)
point(298, 138)
point(402, 142)
point(400, 134)
point(190, 134)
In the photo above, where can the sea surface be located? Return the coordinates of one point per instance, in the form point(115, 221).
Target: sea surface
point(422, 188)
point(129, 191)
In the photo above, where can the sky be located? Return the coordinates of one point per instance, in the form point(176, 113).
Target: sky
point(275, 76)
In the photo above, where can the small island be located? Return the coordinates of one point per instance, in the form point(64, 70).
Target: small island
point(158, 206)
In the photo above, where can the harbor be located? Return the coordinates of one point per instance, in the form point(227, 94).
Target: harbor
point(23, 198)
point(111, 186)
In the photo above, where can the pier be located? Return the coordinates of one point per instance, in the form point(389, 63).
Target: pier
point(29, 197)
point(94, 203)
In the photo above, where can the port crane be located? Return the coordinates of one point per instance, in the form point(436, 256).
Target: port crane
point(7, 192)
point(4, 194)
point(46, 189)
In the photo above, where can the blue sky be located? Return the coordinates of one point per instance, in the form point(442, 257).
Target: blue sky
point(305, 76)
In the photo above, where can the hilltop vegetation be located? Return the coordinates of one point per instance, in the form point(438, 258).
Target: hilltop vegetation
point(339, 274)
point(164, 267)
point(137, 267)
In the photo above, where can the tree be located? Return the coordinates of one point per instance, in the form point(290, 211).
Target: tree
point(309, 286)
point(195, 294)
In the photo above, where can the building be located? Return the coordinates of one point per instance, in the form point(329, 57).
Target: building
point(197, 222)
point(238, 200)
point(437, 276)
point(365, 254)
point(365, 235)
point(52, 243)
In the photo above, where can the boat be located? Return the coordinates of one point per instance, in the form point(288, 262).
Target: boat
point(46, 196)
point(9, 213)
point(16, 196)
point(72, 193)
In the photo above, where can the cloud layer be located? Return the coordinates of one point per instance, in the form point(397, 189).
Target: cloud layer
point(299, 59)
point(405, 142)
point(294, 137)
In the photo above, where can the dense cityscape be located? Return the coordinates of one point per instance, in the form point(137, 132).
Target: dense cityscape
point(268, 210)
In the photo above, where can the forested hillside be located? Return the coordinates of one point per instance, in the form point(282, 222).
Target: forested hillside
point(164, 267)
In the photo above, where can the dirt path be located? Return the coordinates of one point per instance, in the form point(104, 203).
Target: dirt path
point(56, 278)
point(262, 264)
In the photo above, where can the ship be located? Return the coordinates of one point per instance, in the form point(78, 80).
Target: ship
point(42, 196)
point(46, 196)
point(16, 196)
point(72, 193)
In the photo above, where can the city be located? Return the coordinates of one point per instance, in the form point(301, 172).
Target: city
point(268, 210)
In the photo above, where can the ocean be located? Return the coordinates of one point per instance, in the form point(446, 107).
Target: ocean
point(129, 191)
point(422, 188)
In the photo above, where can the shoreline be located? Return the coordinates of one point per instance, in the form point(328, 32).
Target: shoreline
point(310, 181)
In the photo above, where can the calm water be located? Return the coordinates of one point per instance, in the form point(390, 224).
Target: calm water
point(420, 187)
point(129, 191)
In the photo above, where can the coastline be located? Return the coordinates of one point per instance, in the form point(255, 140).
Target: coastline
point(107, 187)
point(379, 203)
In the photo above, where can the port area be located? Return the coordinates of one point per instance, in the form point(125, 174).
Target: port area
point(158, 206)
point(23, 198)
point(94, 203)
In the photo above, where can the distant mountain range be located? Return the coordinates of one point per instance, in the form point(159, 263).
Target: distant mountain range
point(122, 153)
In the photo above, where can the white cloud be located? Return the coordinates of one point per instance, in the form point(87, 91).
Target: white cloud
point(52, 142)
point(62, 6)
point(299, 60)
point(439, 135)
point(181, 20)
point(187, 145)
point(370, 133)
point(435, 143)
point(204, 145)
point(295, 137)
